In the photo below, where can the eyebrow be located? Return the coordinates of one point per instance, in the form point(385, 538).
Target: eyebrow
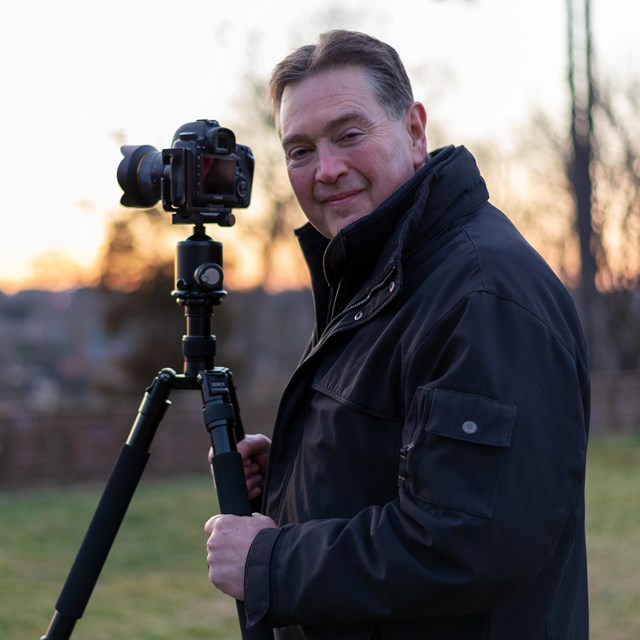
point(356, 116)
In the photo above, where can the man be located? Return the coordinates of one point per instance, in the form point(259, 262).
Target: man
point(426, 476)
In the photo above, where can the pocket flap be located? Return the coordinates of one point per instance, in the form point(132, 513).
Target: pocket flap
point(471, 418)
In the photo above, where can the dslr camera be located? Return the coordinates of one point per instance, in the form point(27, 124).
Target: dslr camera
point(200, 178)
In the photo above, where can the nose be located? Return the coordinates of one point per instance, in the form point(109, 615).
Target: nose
point(330, 164)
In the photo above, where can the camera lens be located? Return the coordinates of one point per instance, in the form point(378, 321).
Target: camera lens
point(138, 175)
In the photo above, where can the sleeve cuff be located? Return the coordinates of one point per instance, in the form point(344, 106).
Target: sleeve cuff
point(257, 576)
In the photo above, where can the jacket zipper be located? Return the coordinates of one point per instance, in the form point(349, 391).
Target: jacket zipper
point(363, 301)
point(403, 468)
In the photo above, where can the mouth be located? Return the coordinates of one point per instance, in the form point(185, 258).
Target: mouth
point(340, 198)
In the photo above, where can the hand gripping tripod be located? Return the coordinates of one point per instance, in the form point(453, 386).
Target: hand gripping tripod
point(199, 277)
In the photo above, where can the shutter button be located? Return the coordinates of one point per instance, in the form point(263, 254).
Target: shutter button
point(469, 427)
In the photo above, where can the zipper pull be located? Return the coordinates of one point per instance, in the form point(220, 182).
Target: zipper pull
point(404, 464)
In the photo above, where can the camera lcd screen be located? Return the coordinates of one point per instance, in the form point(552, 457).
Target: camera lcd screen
point(218, 176)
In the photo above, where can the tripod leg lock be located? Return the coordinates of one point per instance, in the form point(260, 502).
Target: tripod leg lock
point(216, 413)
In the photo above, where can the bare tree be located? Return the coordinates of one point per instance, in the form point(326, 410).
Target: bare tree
point(616, 171)
point(575, 192)
point(581, 88)
point(604, 173)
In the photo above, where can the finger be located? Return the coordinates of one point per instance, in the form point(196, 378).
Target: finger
point(254, 482)
point(254, 444)
point(246, 447)
point(251, 469)
point(210, 523)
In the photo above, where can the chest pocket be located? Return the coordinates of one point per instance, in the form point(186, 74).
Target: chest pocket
point(455, 448)
point(366, 381)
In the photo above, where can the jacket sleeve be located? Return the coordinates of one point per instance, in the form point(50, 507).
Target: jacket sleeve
point(491, 475)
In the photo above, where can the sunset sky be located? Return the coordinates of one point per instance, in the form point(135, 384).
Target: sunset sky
point(80, 77)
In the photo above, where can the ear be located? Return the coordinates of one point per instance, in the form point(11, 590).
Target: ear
point(416, 122)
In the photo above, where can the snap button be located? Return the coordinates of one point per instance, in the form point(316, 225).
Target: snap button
point(469, 427)
point(392, 286)
point(358, 315)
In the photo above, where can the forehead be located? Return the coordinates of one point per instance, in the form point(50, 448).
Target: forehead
point(323, 97)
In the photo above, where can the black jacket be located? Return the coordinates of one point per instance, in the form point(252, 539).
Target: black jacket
point(428, 460)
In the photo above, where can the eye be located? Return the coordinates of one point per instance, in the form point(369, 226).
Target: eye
point(296, 154)
point(350, 136)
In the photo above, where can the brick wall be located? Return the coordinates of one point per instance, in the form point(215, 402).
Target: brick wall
point(615, 401)
point(72, 442)
point(76, 441)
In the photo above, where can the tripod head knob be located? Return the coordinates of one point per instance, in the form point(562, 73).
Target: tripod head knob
point(209, 276)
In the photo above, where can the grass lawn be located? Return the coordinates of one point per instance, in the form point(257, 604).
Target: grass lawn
point(154, 585)
point(613, 537)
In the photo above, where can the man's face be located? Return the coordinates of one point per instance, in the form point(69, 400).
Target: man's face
point(344, 154)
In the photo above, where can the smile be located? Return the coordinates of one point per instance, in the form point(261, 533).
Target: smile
point(338, 198)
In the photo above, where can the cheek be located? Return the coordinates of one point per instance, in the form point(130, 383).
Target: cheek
point(301, 183)
point(394, 171)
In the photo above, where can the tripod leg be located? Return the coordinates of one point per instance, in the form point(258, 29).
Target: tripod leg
point(111, 510)
point(220, 418)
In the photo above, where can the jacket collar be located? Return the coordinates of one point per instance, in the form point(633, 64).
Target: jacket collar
point(447, 187)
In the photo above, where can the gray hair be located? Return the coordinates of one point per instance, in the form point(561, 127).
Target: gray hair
point(340, 48)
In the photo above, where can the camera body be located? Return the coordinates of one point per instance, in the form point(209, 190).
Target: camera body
point(200, 178)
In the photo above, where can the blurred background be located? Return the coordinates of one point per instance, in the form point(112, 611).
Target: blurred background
point(545, 94)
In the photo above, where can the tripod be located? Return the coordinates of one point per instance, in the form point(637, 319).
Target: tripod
point(199, 279)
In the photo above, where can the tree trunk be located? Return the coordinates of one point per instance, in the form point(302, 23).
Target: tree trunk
point(579, 170)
